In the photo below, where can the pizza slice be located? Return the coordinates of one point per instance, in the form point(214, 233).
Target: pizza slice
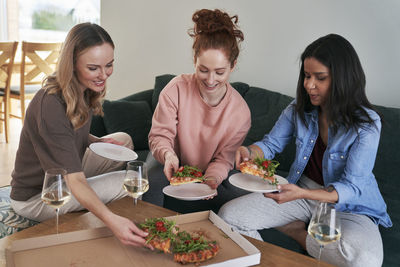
point(186, 175)
point(193, 248)
point(261, 167)
point(161, 233)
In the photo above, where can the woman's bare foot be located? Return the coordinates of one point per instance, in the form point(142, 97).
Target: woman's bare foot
point(296, 230)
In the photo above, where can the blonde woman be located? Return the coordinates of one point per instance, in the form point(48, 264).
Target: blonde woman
point(56, 135)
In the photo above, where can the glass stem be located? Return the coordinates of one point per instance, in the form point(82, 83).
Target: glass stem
point(319, 254)
point(57, 209)
point(135, 201)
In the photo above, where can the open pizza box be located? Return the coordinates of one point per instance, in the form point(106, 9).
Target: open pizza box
point(99, 247)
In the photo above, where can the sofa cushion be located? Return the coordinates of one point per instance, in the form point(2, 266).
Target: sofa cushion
point(131, 117)
point(161, 82)
point(242, 88)
point(10, 221)
point(140, 96)
point(97, 127)
point(265, 107)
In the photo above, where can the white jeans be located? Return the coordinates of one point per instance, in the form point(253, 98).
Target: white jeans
point(106, 179)
point(360, 243)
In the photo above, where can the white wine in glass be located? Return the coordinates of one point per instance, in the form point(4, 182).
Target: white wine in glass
point(55, 192)
point(325, 225)
point(136, 182)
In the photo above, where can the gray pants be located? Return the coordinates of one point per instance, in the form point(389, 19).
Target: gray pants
point(108, 186)
point(360, 243)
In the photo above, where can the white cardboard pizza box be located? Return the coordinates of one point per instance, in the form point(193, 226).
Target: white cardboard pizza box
point(99, 247)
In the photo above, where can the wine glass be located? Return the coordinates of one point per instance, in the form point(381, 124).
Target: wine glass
point(324, 226)
point(55, 192)
point(136, 182)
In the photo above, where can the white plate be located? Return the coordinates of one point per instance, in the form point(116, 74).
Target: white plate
point(194, 191)
point(114, 152)
point(253, 183)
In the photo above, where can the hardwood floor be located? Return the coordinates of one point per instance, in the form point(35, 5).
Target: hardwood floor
point(8, 151)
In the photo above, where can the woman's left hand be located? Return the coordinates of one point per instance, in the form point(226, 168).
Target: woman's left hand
point(111, 141)
point(287, 192)
point(213, 183)
point(211, 197)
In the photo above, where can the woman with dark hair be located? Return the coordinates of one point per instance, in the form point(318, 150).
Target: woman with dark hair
point(337, 135)
point(56, 135)
point(200, 119)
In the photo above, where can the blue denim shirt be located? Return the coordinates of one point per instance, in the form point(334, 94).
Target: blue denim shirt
point(347, 162)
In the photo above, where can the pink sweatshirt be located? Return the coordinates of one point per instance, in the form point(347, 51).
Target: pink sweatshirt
point(201, 135)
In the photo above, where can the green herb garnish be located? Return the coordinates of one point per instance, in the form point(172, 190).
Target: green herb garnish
point(160, 227)
point(189, 171)
point(268, 165)
point(186, 242)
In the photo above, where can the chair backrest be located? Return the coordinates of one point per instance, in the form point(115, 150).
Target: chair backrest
point(7, 55)
point(38, 61)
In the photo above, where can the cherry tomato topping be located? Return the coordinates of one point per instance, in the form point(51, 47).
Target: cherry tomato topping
point(161, 229)
point(198, 174)
point(265, 164)
point(159, 224)
point(180, 169)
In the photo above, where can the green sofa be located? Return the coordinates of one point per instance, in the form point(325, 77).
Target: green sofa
point(133, 114)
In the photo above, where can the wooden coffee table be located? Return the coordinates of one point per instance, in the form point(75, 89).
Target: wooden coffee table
point(271, 255)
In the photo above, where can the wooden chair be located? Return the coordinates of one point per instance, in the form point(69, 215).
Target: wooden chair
point(38, 60)
point(7, 54)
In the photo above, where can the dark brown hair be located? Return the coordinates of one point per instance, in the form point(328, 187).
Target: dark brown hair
point(347, 99)
point(216, 30)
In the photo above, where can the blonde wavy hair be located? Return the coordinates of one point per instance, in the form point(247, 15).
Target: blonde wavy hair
point(65, 82)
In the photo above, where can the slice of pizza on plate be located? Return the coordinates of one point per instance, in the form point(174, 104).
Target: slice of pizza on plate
point(186, 175)
point(261, 167)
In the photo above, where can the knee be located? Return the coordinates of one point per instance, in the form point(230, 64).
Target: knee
point(124, 138)
point(354, 254)
point(225, 212)
point(127, 140)
point(362, 255)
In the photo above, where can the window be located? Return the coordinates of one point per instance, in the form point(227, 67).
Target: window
point(44, 20)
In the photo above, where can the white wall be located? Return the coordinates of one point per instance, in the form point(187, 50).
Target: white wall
point(151, 39)
point(3, 21)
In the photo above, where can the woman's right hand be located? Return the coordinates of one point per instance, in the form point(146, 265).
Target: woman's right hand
point(171, 164)
point(242, 154)
point(127, 232)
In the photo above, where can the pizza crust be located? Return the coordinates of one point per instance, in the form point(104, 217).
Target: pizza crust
point(184, 180)
point(186, 175)
point(197, 256)
point(250, 167)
